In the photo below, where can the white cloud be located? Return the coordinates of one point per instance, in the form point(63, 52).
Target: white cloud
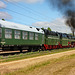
point(5, 15)
point(2, 5)
point(27, 1)
point(33, 1)
point(56, 25)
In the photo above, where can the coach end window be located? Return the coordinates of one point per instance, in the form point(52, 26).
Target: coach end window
point(25, 35)
point(8, 33)
point(36, 36)
point(31, 36)
point(0, 32)
point(17, 34)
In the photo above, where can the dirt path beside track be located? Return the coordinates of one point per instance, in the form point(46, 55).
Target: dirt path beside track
point(15, 65)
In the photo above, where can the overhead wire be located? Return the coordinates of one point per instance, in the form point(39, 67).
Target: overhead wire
point(24, 8)
point(28, 9)
point(19, 21)
point(21, 14)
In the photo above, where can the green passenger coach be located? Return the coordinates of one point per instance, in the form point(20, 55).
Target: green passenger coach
point(16, 36)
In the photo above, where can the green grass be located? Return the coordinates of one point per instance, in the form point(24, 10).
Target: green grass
point(29, 69)
point(31, 54)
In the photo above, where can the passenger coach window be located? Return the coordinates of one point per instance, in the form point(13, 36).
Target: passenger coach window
point(36, 36)
point(31, 36)
point(17, 34)
point(0, 32)
point(25, 35)
point(8, 33)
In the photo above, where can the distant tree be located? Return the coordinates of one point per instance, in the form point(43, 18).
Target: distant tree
point(49, 28)
point(42, 28)
point(3, 19)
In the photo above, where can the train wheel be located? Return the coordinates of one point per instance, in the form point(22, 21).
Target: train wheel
point(29, 50)
point(20, 50)
point(43, 48)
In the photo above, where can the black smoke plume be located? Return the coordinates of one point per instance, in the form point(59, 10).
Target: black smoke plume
point(67, 7)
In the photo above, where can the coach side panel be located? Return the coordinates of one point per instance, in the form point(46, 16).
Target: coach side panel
point(36, 40)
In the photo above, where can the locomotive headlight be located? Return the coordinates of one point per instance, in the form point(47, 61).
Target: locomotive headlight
point(2, 43)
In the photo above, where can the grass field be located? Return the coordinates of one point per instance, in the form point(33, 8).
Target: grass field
point(58, 66)
point(31, 55)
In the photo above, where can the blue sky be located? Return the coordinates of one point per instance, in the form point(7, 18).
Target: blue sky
point(38, 13)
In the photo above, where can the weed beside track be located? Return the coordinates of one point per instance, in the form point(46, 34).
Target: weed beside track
point(30, 55)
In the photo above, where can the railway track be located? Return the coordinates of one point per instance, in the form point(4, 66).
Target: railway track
point(6, 53)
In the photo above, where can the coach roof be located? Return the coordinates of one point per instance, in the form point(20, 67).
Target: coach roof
point(12, 25)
